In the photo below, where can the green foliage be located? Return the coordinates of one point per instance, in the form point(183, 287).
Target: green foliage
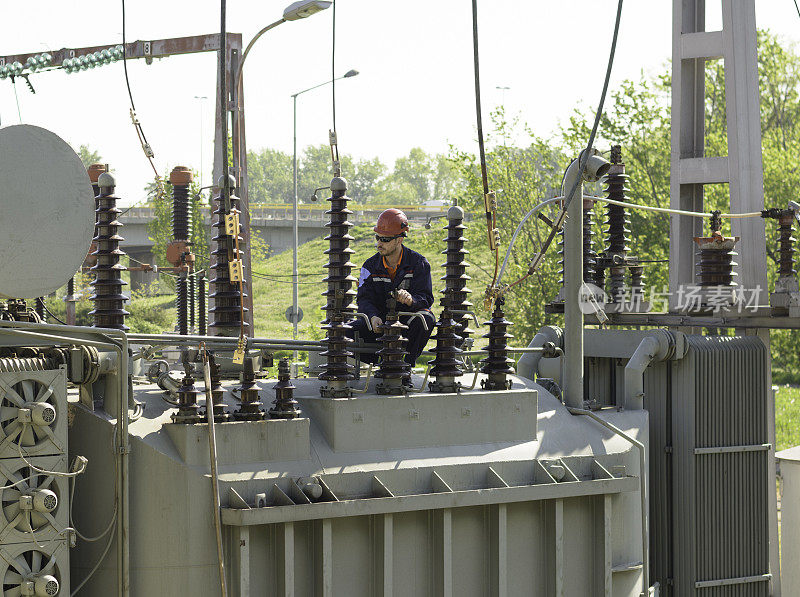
point(787, 417)
point(160, 228)
point(89, 156)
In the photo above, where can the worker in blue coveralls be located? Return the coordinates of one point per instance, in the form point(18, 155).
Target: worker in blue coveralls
point(398, 269)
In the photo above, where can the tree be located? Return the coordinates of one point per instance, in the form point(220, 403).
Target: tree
point(270, 176)
point(88, 156)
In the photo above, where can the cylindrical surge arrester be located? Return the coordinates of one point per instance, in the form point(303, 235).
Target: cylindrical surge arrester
point(340, 294)
point(108, 298)
point(284, 406)
point(497, 365)
point(446, 366)
point(589, 253)
point(786, 242)
point(393, 369)
point(180, 178)
point(201, 304)
point(618, 227)
point(454, 295)
point(226, 314)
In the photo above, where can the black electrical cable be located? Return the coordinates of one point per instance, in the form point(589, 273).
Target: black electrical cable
point(797, 7)
point(476, 63)
point(50, 313)
point(125, 68)
point(584, 155)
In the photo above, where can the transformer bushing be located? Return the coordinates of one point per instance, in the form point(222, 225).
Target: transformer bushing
point(786, 297)
point(180, 178)
point(617, 227)
point(446, 365)
point(393, 368)
point(589, 257)
point(714, 269)
point(108, 299)
point(249, 401)
point(454, 295)
point(226, 314)
point(340, 294)
point(217, 391)
point(192, 294)
point(497, 365)
point(637, 286)
point(284, 406)
point(188, 409)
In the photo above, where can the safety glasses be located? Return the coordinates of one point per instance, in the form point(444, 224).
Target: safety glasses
point(386, 239)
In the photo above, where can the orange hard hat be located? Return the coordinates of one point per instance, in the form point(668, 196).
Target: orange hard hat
point(392, 222)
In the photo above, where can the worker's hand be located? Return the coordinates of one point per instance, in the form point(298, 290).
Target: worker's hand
point(403, 296)
point(376, 322)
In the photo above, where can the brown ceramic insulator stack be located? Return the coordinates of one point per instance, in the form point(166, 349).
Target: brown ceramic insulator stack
point(284, 406)
point(249, 402)
point(618, 226)
point(339, 296)
point(226, 314)
point(446, 366)
point(180, 178)
point(108, 298)
point(786, 245)
point(497, 365)
point(454, 295)
point(201, 304)
point(94, 171)
point(393, 368)
point(715, 266)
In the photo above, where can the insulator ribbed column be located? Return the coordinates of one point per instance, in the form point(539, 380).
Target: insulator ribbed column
point(226, 314)
point(445, 367)
point(715, 264)
point(217, 391)
point(180, 178)
point(188, 409)
point(497, 365)
point(618, 226)
point(454, 295)
point(589, 254)
point(637, 284)
point(786, 250)
point(393, 368)
point(108, 298)
point(40, 310)
point(201, 304)
point(340, 294)
point(192, 296)
point(249, 401)
point(284, 406)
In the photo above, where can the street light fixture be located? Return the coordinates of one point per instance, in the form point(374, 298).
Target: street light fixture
point(293, 12)
point(295, 284)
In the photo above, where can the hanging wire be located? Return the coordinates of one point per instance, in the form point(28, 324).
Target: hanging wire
point(537, 260)
point(16, 97)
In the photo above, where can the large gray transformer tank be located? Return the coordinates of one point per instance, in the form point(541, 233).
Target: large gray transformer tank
point(470, 494)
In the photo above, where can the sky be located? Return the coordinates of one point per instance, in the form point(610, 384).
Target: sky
point(415, 87)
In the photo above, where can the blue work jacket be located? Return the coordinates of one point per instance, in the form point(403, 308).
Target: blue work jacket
point(374, 284)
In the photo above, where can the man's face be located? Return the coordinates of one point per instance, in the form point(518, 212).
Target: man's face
point(386, 246)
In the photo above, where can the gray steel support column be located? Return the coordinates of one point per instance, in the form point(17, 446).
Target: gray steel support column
point(573, 279)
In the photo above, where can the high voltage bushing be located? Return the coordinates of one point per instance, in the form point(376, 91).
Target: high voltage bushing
point(188, 409)
point(217, 392)
point(786, 249)
point(715, 264)
point(108, 298)
point(284, 406)
point(618, 226)
point(192, 296)
point(201, 304)
point(249, 403)
point(637, 283)
point(589, 254)
point(40, 309)
point(454, 295)
point(446, 366)
point(178, 251)
point(340, 294)
point(393, 368)
point(497, 365)
point(226, 314)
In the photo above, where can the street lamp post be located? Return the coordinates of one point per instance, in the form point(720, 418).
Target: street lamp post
point(295, 281)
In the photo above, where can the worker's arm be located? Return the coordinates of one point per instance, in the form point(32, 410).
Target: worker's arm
point(367, 294)
point(421, 287)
